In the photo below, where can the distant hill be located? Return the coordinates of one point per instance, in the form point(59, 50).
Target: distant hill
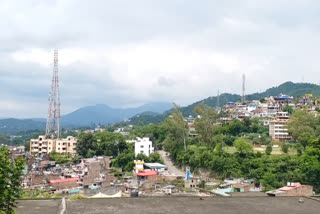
point(103, 114)
point(84, 117)
point(149, 113)
point(13, 126)
point(289, 88)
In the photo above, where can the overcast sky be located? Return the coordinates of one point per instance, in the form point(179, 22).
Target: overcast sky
point(127, 53)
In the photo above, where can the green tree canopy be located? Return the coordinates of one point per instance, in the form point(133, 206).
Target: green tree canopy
point(243, 147)
point(206, 122)
point(10, 178)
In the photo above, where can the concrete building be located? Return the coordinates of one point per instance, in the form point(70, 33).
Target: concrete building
point(143, 146)
point(138, 165)
point(44, 146)
point(292, 189)
point(278, 129)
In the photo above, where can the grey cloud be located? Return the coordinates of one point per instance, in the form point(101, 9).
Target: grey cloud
point(281, 37)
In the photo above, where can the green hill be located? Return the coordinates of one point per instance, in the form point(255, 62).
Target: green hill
point(288, 88)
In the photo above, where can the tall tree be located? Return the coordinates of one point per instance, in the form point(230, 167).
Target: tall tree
point(178, 127)
point(85, 144)
point(10, 178)
point(303, 126)
point(206, 122)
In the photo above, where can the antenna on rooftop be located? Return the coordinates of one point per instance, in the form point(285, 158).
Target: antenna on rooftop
point(243, 98)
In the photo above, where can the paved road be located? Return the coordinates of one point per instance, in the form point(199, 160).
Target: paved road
point(171, 168)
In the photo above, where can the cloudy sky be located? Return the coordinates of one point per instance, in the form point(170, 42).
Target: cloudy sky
point(125, 53)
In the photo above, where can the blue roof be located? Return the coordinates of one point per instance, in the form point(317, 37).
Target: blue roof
point(73, 191)
point(281, 97)
point(155, 165)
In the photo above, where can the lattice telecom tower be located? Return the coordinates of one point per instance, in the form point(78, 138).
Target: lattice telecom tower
point(53, 120)
point(243, 97)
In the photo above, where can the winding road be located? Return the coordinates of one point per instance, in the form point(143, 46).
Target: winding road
point(171, 168)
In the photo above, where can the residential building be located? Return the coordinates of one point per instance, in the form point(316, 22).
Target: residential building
point(138, 165)
point(278, 128)
point(292, 189)
point(143, 146)
point(44, 146)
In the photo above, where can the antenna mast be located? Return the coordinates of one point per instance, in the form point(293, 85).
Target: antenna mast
point(243, 98)
point(218, 101)
point(53, 120)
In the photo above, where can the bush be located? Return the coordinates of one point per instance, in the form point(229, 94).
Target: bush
point(269, 150)
point(285, 148)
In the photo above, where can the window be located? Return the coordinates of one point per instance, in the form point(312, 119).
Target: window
point(141, 146)
point(141, 152)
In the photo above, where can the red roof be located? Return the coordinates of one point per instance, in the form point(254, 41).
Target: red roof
point(147, 173)
point(63, 180)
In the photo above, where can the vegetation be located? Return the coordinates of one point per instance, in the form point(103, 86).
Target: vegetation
point(272, 171)
point(10, 177)
point(102, 143)
point(269, 150)
point(227, 150)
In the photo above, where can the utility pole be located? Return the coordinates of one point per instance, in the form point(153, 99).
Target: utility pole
point(53, 119)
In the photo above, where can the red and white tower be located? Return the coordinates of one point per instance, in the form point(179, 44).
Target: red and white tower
point(53, 120)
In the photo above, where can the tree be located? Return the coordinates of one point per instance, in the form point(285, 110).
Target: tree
point(206, 122)
point(262, 100)
point(285, 148)
point(269, 150)
point(288, 109)
point(85, 143)
point(109, 143)
point(299, 149)
point(178, 127)
point(155, 158)
point(270, 181)
point(10, 178)
point(302, 126)
point(243, 147)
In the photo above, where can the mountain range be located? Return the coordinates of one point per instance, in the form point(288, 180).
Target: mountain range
point(149, 113)
point(83, 117)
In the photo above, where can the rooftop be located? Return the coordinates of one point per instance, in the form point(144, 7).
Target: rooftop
point(155, 165)
point(221, 205)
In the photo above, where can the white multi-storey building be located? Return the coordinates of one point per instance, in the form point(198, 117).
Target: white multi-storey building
point(278, 128)
point(143, 146)
point(44, 146)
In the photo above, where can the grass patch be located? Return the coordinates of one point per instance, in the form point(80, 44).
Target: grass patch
point(77, 197)
point(275, 151)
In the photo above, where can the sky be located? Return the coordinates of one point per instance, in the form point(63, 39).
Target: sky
point(125, 53)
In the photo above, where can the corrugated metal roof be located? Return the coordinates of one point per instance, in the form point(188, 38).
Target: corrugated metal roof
point(147, 173)
point(63, 180)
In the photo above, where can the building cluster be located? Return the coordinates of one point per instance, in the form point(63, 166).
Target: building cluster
point(88, 174)
point(271, 111)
